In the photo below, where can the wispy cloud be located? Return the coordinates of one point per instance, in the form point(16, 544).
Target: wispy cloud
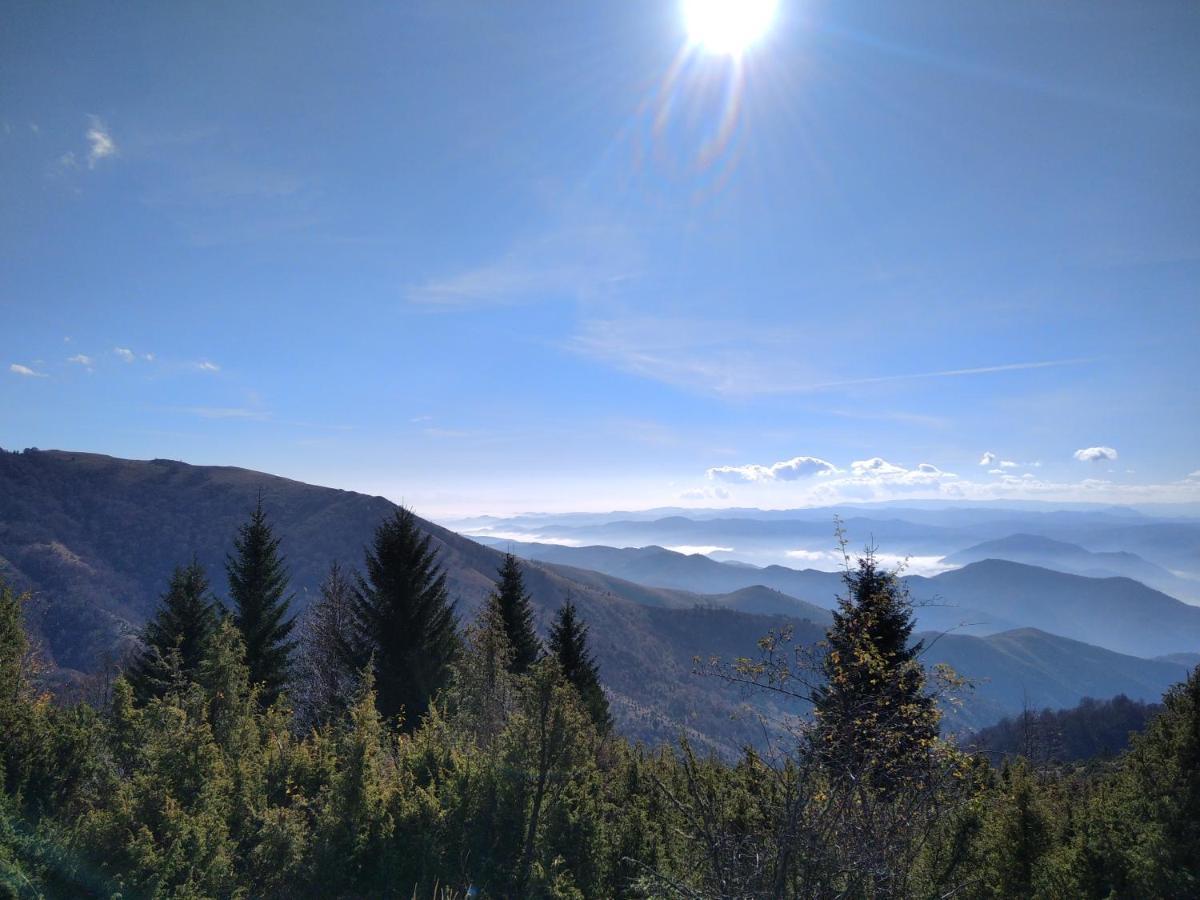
point(25, 371)
point(206, 366)
point(100, 142)
point(125, 354)
point(736, 358)
point(81, 359)
point(573, 263)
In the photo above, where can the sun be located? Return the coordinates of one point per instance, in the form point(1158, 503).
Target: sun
point(727, 26)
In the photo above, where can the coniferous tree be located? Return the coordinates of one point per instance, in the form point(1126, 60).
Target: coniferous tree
point(326, 682)
point(873, 712)
point(568, 644)
point(175, 640)
point(258, 585)
point(513, 604)
point(404, 621)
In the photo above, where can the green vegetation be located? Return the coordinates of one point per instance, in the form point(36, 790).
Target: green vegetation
point(405, 630)
point(515, 607)
point(569, 648)
point(175, 640)
point(513, 783)
point(1093, 729)
point(257, 588)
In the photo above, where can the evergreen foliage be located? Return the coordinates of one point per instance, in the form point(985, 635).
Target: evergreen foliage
point(175, 640)
point(873, 706)
point(404, 622)
point(516, 609)
point(569, 647)
point(258, 588)
point(507, 786)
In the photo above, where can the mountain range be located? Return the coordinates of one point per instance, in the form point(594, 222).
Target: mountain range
point(980, 598)
point(95, 538)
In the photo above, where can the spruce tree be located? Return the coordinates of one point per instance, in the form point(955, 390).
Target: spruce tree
point(257, 585)
point(874, 716)
point(569, 645)
point(513, 604)
point(175, 640)
point(404, 620)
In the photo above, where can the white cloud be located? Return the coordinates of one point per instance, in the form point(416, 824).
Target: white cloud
point(788, 470)
point(988, 458)
point(125, 354)
point(81, 359)
point(206, 366)
point(876, 479)
point(1095, 454)
point(874, 466)
point(25, 371)
point(100, 142)
point(802, 467)
point(148, 357)
point(698, 549)
point(1008, 464)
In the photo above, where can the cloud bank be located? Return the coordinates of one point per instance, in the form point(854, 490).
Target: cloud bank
point(788, 470)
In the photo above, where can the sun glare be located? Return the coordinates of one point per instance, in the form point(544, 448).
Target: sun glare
point(727, 26)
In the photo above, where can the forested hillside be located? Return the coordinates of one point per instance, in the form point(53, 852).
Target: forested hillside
point(1094, 728)
point(96, 538)
point(184, 779)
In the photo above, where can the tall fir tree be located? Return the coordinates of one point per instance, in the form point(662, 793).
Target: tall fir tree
point(874, 717)
point(569, 645)
point(404, 620)
point(175, 640)
point(513, 604)
point(258, 584)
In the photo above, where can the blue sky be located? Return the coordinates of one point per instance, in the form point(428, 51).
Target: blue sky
point(490, 257)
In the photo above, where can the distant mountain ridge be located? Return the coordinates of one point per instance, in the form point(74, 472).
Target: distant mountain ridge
point(980, 598)
point(762, 536)
point(1047, 553)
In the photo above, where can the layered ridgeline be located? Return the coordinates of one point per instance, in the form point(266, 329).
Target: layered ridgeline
point(96, 539)
point(981, 598)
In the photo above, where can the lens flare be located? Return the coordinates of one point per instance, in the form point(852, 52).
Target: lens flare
point(727, 26)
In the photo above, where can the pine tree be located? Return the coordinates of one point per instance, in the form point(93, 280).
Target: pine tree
point(874, 716)
point(326, 682)
point(257, 585)
point(175, 640)
point(568, 644)
point(404, 621)
point(512, 602)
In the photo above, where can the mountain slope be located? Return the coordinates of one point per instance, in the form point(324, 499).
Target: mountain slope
point(980, 598)
point(1047, 553)
point(1030, 668)
point(1117, 613)
point(96, 538)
